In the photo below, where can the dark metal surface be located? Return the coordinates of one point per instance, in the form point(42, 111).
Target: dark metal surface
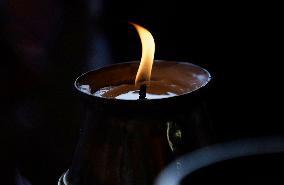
point(248, 161)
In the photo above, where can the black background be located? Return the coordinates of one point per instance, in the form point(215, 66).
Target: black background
point(45, 45)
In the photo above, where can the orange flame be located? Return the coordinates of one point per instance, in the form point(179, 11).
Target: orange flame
point(148, 50)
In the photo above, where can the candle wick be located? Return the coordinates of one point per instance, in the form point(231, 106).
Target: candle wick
point(142, 92)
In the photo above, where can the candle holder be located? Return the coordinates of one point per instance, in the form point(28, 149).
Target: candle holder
point(128, 142)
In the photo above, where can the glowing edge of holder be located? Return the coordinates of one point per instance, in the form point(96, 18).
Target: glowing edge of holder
point(62, 180)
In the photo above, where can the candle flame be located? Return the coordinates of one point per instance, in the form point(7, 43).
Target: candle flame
point(148, 50)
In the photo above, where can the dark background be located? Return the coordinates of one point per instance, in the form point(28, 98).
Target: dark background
point(45, 45)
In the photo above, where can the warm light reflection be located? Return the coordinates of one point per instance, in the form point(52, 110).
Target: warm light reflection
point(148, 50)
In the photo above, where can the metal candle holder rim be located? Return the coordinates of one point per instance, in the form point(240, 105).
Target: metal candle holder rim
point(134, 61)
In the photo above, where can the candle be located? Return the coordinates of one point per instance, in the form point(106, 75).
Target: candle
point(167, 79)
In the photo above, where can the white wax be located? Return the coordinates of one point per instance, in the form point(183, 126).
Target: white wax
point(130, 92)
point(134, 95)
